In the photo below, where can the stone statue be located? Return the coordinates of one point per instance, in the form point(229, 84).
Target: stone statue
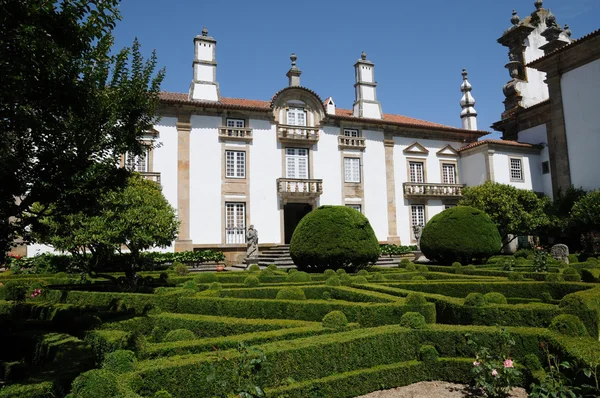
point(417, 230)
point(560, 252)
point(252, 242)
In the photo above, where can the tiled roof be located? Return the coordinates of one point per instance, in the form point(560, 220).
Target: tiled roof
point(240, 103)
point(498, 142)
point(574, 43)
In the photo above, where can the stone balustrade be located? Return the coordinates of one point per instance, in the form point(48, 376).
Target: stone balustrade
point(152, 176)
point(345, 142)
point(235, 134)
point(418, 189)
point(297, 187)
point(297, 134)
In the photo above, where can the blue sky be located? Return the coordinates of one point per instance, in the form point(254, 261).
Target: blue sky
point(419, 47)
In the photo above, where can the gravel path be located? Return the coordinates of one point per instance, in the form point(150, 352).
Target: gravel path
point(435, 389)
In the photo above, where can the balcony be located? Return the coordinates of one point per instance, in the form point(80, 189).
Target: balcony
point(299, 188)
point(351, 142)
point(421, 190)
point(297, 134)
point(235, 134)
point(151, 176)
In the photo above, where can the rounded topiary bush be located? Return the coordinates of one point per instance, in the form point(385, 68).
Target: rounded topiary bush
point(329, 272)
point(363, 272)
point(456, 264)
point(573, 258)
point(418, 278)
point(569, 325)
point(573, 303)
point(215, 286)
point(291, 293)
point(360, 280)
point(571, 275)
point(415, 299)
point(334, 237)
point(179, 335)
point(326, 295)
point(554, 277)
point(495, 298)
point(205, 277)
point(345, 280)
point(251, 281)
point(547, 298)
point(411, 267)
point(515, 276)
point(292, 270)
point(190, 285)
point(413, 320)
point(428, 354)
point(254, 268)
point(378, 277)
point(299, 276)
point(404, 261)
point(333, 281)
point(460, 233)
point(97, 383)
point(335, 320)
point(475, 300)
point(273, 267)
point(120, 361)
point(340, 272)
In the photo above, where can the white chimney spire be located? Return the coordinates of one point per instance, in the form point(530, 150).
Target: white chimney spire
point(366, 104)
point(204, 85)
point(467, 103)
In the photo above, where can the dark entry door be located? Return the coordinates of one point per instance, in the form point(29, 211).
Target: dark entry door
point(292, 214)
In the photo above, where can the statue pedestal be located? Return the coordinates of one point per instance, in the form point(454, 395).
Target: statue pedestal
point(420, 257)
point(251, 260)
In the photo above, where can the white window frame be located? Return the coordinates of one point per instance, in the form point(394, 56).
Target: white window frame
point(138, 163)
point(236, 123)
point(512, 162)
point(416, 171)
point(449, 178)
point(235, 164)
point(352, 170)
point(356, 207)
point(235, 222)
point(297, 163)
point(415, 217)
point(292, 116)
point(351, 133)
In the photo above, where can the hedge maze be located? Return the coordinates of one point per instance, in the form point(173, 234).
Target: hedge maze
point(291, 334)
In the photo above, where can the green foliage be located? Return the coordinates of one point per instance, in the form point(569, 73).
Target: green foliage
point(14, 291)
point(333, 281)
point(162, 394)
point(299, 276)
point(97, 383)
point(179, 335)
point(569, 325)
point(120, 361)
point(334, 237)
point(404, 261)
point(413, 320)
point(571, 275)
point(378, 277)
point(456, 264)
point(515, 276)
point(363, 272)
point(291, 293)
point(329, 272)
point(547, 298)
point(495, 298)
point(416, 299)
point(206, 277)
point(460, 233)
point(410, 267)
point(272, 267)
point(251, 281)
point(475, 300)
point(395, 250)
point(554, 382)
point(586, 211)
point(190, 285)
point(514, 211)
point(418, 278)
point(254, 268)
point(180, 269)
point(326, 295)
point(428, 354)
point(573, 259)
point(215, 286)
point(540, 260)
point(345, 280)
point(554, 277)
point(360, 280)
point(522, 253)
point(335, 320)
point(340, 271)
point(91, 104)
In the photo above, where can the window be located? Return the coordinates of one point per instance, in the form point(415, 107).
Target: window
point(449, 173)
point(350, 133)
point(546, 167)
point(237, 123)
point(352, 169)
point(235, 164)
point(137, 163)
point(416, 171)
point(296, 163)
point(296, 117)
point(235, 223)
point(516, 169)
point(417, 215)
point(355, 207)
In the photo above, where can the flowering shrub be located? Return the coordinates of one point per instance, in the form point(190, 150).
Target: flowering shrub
point(35, 293)
point(494, 371)
point(590, 243)
point(540, 260)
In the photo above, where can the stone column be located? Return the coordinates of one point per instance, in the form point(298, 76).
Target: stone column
point(388, 143)
point(184, 128)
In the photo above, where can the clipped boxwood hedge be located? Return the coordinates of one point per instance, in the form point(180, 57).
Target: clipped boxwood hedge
point(461, 234)
point(334, 237)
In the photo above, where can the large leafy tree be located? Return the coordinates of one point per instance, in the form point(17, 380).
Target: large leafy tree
point(585, 213)
point(134, 219)
point(514, 211)
point(68, 108)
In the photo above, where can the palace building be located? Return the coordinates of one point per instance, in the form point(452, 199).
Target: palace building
point(226, 163)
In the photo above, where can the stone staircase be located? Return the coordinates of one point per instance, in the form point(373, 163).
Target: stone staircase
point(280, 256)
